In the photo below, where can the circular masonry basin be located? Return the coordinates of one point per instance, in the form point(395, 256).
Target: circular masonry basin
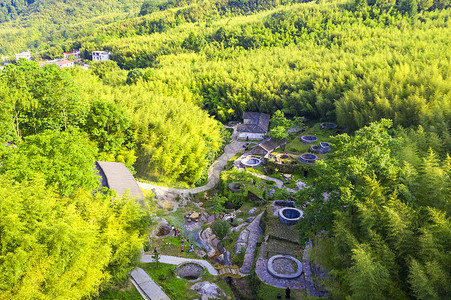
point(189, 270)
point(328, 125)
point(308, 139)
point(251, 162)
point(236, 187)
point(324, 144)
point(164, 230)
point(289, 215)
point(284, 266)
point(308, 158)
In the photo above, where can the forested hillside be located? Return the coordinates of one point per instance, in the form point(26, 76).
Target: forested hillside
point(378, 210)
point(39, 24)
point(354, 62)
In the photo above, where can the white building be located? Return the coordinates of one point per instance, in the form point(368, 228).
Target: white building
point(64, 63)
point(61, 63)
point(100, 55)
point(255, 126)
point(26, 55)
point(75, 53)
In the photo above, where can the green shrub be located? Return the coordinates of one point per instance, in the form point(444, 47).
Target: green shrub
point(239, 257)
point(221, 228)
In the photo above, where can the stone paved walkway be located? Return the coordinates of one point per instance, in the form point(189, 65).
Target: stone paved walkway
point(146, 286)
point(253, 232)
point(175, 260)
point(279, 183)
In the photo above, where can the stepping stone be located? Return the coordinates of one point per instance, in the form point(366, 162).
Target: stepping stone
point(252, 210)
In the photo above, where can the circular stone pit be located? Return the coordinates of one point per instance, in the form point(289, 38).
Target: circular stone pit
point(164, 230)
point(236, 187)
point(308, 158)
point(251, 162)
point(289, 215)
point(328, 125)
point(189, 270)
point(284, 266)
point(308, 139)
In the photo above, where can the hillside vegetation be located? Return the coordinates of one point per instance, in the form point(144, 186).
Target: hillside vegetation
point(378, 210)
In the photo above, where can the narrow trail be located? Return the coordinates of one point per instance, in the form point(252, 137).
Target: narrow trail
point(175, 260)
point(213, 172)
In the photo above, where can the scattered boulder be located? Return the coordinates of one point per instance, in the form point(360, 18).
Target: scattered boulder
point(210, 290)
point(252, 210)
point(239, 227)
point(224, 258)
point(200, 253)
point(165, 204)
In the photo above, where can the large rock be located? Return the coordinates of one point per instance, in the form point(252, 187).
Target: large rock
point(200, 253)
point(209, 290)
point(166, 204)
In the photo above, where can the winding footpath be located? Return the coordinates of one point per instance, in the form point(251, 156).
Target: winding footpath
point(213, 172)
point(175, 260)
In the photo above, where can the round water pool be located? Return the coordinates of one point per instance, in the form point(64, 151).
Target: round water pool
point(308, 158)
point(251, 162)
point(328, 125)
point(189, 270)
point(289, 215)
point(308, 138)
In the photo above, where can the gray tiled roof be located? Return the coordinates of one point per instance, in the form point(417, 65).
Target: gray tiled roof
point(254, 122)
point(117, 177)
point(268, 145)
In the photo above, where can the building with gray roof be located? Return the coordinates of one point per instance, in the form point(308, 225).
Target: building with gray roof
point(117, 177)
point(255, 126)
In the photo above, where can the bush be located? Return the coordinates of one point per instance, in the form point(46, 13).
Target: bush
point(221, 228)
point(239, 257)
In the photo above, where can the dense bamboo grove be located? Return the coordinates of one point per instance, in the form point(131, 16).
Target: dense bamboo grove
point(380, 69)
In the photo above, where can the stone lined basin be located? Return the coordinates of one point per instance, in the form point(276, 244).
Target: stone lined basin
point(284, 266)
point(164, 230)
point(189, 270)
point(251, 162)
point(308, 158)
point(328, 125)
point(308, 139)
point(236, 187)
point(289, 215)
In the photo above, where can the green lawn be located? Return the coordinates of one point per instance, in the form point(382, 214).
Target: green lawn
point(295, 146)
point(177, 288)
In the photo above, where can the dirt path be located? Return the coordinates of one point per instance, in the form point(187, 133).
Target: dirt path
point(213, 173)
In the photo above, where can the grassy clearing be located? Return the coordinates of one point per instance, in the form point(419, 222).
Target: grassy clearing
point(176, 288)
point(171, 246)
point(281, 231)
point(295, 146)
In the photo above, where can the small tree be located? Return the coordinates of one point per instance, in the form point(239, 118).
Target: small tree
point(221, 228)
point(156, 257)
point(218, 203)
